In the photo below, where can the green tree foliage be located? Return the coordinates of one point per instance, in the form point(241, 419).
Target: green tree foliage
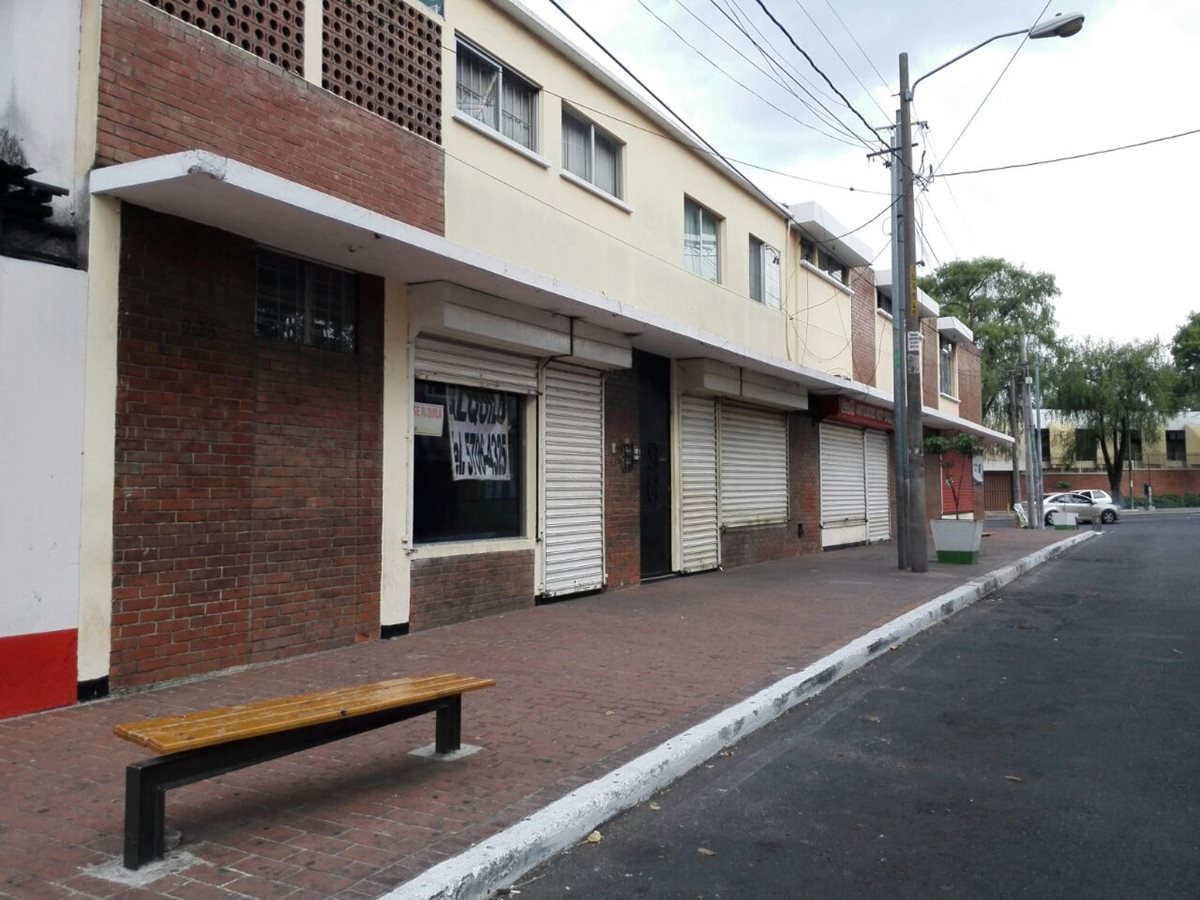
point(1115, 389)
point(1185, 350)
point(998, 301)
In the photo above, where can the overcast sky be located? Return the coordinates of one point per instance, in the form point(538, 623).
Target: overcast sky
point(1118, 232)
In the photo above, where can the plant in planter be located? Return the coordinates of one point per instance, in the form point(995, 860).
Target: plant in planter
point(956, 540)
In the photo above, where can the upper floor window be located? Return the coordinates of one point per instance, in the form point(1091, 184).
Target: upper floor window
point(304, 302)
point(701, 241)
point(591, 153)
point(495, 95)
point(764, 273)
point(824, 260)
point(883, 302)
point(1176, 446)
point(946, 367)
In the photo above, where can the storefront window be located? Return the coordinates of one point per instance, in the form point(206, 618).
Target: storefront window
point(468, 472)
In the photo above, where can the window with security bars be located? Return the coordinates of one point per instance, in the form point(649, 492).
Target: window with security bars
point(591, 153)
point(701, 241)
point(303, 302)
point(1176, 445)
point(494, 95)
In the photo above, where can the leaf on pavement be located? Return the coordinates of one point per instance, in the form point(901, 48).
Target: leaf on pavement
point(704, 851)
point(1014, 778)
point(655, 807)
point(595, 837)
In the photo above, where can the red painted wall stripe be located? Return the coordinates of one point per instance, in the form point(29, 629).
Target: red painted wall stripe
point(37, 671)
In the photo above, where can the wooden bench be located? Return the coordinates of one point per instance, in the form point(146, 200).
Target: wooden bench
point(203, 744)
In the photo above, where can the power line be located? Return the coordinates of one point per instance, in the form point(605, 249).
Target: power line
point(850, 106)
point(736, 81)
point(838, 53)
point(1058, 159)
point(882, 80)
point(803, 83)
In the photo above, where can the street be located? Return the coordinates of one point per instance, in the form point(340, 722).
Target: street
point(1041, 744)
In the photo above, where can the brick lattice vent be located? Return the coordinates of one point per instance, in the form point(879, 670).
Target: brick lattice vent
point(270, 29)
point(385, 56)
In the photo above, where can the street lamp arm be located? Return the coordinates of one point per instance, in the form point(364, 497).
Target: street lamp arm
point(994, 37)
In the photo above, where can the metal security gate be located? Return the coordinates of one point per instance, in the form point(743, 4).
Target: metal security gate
point(753, 466)
point(878, 517)
point(699, 538)
point(573, 481)
point(439, 360)
point(843, 486)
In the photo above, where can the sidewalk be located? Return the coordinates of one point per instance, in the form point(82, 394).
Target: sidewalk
point(583, 687)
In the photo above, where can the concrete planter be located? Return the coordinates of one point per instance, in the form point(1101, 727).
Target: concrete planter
point(957, 540)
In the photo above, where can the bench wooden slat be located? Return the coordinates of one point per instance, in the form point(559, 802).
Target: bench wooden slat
point(173, 734)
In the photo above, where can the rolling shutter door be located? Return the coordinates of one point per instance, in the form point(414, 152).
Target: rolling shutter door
point(573, 472)
point(843, 486)
point(753, 466)
point(698, 534)
point(878, 519)
point(438, 360)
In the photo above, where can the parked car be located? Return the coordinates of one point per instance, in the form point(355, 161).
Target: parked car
point(1086, 507)
point(1096, 494)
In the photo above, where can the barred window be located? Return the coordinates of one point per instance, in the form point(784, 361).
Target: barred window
point(303, 302)
point(496, 96)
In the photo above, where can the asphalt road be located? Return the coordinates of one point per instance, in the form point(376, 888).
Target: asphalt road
point(1045, 743)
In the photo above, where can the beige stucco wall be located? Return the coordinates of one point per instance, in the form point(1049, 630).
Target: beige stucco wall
point(502, 202)
point(884, 364)
point(819, 331)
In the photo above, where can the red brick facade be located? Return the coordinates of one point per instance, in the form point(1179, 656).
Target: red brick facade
point(622, 490)
point(450, 589)
point(247, 503)
point(929, 362)
point(970, 382)
point(1162, 481)
point(166, 86)
point(862, 325)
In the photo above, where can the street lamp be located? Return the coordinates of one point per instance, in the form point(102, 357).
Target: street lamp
point(911, 471)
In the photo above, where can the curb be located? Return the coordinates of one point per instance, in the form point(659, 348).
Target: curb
point(503, 858)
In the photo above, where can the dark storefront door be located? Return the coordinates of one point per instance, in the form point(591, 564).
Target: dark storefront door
point(654, 421)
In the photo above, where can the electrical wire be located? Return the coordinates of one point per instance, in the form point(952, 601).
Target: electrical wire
point(838, 53)
point(725, 72)
point(882, 80)
point(850, 106)
point(1058, 159)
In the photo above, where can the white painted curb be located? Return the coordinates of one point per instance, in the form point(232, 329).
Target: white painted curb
point(502, 859)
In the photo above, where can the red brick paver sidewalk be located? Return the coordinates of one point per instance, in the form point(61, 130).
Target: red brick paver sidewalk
point(582, 687)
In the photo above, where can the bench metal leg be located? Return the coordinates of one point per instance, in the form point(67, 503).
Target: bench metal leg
point(449, 725)
point(145, 804)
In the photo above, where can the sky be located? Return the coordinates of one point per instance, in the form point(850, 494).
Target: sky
point(1118, 231)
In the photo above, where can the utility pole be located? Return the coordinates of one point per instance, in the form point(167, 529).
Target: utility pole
point(918, 546)
point(1037, 409)
point(899, 417)
point(1035, 519)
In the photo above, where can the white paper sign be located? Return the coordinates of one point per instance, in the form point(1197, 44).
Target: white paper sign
point(427, 419)
point(479, 429)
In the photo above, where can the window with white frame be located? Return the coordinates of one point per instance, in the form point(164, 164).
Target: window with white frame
point(946, 367)
point(496, 96)
point(591, 153)
point(818, 256)
point(701, 241)
point(764, 273)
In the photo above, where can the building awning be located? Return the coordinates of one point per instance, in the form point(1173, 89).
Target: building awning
point(229, 195)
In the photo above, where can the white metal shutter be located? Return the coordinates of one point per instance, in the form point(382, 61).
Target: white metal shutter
point(878, 520)
point(573, 473)
point(439, 360)
point(698, 535)
point(753, 466)
point(843, 488)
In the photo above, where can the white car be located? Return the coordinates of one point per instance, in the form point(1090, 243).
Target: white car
point(1096, 494)
point(1086, 507)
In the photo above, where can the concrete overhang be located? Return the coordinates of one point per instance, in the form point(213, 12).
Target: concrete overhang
point(222, 193)
point(928, 306)
point(816, 221)
point(953, 330)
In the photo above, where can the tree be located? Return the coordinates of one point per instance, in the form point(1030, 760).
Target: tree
point(1115, 390)
point(999, 302)
point(1185, 350)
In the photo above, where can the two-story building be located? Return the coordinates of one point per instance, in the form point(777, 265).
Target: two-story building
point(397, 315)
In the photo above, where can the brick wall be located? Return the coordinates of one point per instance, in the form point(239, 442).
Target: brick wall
point(970, 382)
point(929, 362)
point(622, 490)
point(166, 86)
point(247, 506)
point(755, 544)
point(1163, 481)
point(862, 325)
point(456, 588)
